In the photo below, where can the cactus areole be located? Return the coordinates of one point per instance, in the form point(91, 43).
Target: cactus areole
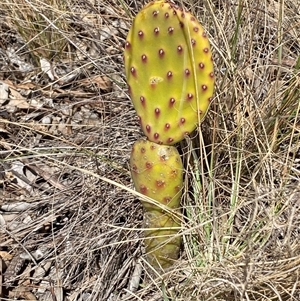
point(169, 71)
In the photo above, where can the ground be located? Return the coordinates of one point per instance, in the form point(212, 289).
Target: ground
point(70, 221)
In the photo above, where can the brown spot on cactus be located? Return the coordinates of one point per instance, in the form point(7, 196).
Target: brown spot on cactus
point(160, 183)
point(189, 96)
point(163, 158)
point(148, 128)
point(205, 50)
point(187, 72)
point(127, 45)
point(143, 101)
point(143, 189)
point(179, 49)
point(170, 140)
point(173, 173)
point(167, 126)
point(156, 30)
point(144, 58)
point(161, 52)
point(204, 87)
point(193, 42)
point(156, 136)
point(167, 200)
point(166, 15)
point(182, 120)
point(149, 165)
point(201, 65)
point(169, 74)
point(193, 19)
point(196, 29)
point(171, 102)
point(143, 150)
point(181, 24)
point(133, 71)
point(178, 188)
point(211, 74)
point(204, 34)
point(134, 168)
point(155, 13)
point(170, 30)
point(157, 112)
point(140, 34)
point(182, 15)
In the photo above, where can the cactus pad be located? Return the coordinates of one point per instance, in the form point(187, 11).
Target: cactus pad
point(169, 71)
point(157, 172)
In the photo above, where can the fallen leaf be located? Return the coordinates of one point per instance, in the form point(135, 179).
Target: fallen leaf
point(47, 68)
point(4, 92)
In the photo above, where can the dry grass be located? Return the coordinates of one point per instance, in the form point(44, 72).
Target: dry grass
point(65, 140)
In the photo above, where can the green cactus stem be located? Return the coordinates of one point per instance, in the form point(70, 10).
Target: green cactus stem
point(157, 172)
point(169, 70)
point(162, 239)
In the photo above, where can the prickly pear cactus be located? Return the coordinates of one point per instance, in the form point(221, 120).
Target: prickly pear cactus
point(157, 172)
point(169, 71)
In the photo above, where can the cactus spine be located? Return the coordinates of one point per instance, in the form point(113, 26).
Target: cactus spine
point(169, 71)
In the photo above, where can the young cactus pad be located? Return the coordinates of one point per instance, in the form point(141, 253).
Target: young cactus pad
point(157, 172)
point(169, 70)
